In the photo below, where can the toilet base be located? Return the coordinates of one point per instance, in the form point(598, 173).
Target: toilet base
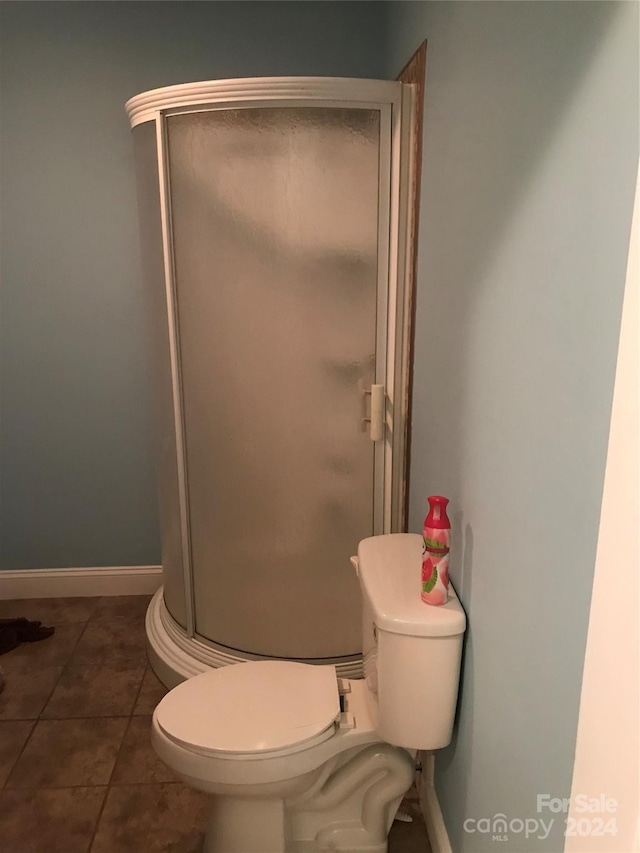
point(348, 808)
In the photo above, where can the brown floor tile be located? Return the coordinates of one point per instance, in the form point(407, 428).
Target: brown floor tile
point(13, 736)
point(113, 607)
point(49, 611)
point(26, 692)
point(94, 692)
point(49, 821)
point(409, 837)
point(62, 753)
point(54, 651)
point(116, 644)
point(151, 693)
point(137, 762)
point(153, 819)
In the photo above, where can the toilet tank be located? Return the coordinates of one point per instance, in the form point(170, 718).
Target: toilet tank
point(411, 650)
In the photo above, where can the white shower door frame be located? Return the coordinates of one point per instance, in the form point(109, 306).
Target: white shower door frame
point(394, 101)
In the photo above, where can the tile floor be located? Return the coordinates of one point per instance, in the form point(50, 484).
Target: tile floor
point(77, 771)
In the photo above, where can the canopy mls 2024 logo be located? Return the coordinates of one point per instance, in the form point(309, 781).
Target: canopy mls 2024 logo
point(590, 816)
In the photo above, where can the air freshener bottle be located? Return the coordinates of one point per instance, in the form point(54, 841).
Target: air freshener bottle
point(435, 552)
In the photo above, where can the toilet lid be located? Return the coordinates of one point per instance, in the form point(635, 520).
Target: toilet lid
point(258, 706)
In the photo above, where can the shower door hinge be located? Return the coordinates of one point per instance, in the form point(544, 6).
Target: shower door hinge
point(376, 418)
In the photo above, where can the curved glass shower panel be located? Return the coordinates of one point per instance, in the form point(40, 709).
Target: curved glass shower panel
point(275, 237)
point(148, 187)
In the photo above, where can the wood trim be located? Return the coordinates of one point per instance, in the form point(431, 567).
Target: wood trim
point(413, 72)
point(79, 582)
point(430, 807)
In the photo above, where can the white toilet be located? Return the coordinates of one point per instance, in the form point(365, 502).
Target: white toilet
point(300, 761)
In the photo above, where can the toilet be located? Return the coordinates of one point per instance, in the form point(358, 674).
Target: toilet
point(297, 760)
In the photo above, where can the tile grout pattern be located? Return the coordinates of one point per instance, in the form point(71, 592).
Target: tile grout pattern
point(77, 770)
point(95, 830)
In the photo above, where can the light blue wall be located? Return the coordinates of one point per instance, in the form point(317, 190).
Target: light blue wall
point(530, 147)
point(530, 153)
point(78, 485)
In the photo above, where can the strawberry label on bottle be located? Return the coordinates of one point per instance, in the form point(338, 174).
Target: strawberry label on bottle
point(435, 552)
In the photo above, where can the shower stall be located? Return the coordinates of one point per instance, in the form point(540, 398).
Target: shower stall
point(273, 216)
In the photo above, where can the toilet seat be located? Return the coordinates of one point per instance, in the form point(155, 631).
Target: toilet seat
point(253, 709)
point(212, 771)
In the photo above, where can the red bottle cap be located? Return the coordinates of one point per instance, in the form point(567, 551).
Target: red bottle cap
point(438, 517)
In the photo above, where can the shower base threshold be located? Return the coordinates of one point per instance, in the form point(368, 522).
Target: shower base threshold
point(174, 656)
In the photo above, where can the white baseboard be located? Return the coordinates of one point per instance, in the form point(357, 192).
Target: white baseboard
point(82, 582)
point(430, 807)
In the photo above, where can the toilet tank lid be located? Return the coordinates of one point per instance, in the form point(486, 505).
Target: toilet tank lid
point(389, 568)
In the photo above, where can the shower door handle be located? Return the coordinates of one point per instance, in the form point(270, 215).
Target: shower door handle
point(376, 419)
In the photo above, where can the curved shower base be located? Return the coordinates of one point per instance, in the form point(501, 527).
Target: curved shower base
point(174, 656)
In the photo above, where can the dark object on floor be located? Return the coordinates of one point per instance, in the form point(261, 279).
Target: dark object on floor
point(16, 631)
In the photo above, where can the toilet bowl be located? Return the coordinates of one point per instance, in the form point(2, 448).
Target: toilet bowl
point(284, 761)
point(297, 760)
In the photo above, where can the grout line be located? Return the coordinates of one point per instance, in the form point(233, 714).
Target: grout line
point(98, 599)
point(62, 670)
point(74, 719)
point(115, 763)
point(75, 646)
point(44, 704)
point(102, 785)
point(135, 701)
point(19, 755)
point(80, 717)
point(129, 716)
point(107, 789)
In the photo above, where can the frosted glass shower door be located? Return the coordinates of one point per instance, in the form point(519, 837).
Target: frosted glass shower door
point(275, 225)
